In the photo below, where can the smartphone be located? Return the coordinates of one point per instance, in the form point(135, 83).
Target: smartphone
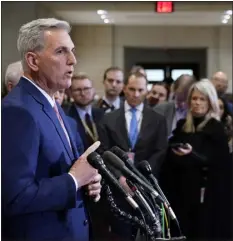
point(177, 145)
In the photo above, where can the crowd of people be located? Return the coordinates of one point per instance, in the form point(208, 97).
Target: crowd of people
point(49, 190)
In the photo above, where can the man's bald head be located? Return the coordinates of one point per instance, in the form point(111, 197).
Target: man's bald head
point(220, 81)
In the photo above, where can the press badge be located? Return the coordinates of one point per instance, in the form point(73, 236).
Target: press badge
point(131, 156)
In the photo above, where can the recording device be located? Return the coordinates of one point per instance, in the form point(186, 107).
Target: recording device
point(96, 161)
point(128, 162)
point(120, 165)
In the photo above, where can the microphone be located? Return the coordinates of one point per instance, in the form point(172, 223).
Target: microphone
point(128, 162)
point(119, 164)
point(96, 161)
point(145, 168)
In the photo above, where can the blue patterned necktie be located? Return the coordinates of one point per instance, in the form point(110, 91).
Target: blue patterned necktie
point(133, 129)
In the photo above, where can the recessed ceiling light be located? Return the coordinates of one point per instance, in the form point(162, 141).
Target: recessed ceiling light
point(103, 16)
point(106, 20)
point(229, 12)
point(224, 21)
point(227, 17)
point(100, 12)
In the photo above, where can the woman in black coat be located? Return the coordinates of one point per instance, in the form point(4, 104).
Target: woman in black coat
point(196, 175)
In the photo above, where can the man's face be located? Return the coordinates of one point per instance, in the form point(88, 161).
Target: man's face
point(158, 94)
point(82, 92)
point(55, 62)
point(220, 82)
point(59, 96)
point(113, 83)
point(135, 91)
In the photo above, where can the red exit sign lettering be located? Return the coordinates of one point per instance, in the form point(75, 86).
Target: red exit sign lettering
point(164, 7)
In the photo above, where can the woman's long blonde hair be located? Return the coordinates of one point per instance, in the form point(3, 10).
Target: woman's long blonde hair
point(206, 87)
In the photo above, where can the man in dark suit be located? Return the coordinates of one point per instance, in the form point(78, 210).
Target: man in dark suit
point(113, 81)
point(136, 129)
point(82, 111)
point(87, 118)
point(42, 173)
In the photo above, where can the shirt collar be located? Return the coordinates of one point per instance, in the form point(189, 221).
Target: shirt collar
point(115, 103)
point(128, 107)
point(46, 95)
point(83, 112)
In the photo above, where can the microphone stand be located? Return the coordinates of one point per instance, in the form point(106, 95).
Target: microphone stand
point(133, 219)
point(126, 216)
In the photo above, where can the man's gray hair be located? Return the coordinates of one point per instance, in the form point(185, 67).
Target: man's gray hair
point(13, 73)
point(31, 35)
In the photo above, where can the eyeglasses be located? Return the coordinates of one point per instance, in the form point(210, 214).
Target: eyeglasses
point(85, 90)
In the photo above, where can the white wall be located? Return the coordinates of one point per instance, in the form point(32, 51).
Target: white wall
point(96, 52)
point(14, 15)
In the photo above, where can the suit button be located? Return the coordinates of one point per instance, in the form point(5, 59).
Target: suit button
point(85, 222)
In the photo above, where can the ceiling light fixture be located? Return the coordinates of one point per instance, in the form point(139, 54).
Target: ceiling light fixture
point(227, 17)
point(100, 12)
point(229, 12)
point(103, 16)
point(106, 20)
point(224, 21)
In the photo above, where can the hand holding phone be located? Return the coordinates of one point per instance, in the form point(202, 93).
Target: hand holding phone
point(181, 149)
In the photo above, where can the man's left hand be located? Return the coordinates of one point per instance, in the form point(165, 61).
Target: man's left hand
point(94, 188)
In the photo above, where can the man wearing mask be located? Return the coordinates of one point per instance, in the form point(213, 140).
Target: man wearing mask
point(113, 85)
point(175, 110)
point(137, 130)
point(43, 175)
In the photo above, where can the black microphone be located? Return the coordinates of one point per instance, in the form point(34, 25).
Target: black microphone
point(119, 164)
point(145, 168)
point(128, 162)
point(96, 161)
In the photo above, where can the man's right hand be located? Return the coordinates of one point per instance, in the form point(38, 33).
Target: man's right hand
point(83, 172)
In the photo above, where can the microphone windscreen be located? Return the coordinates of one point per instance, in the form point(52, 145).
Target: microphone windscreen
point(113, 160)
point(94, 159)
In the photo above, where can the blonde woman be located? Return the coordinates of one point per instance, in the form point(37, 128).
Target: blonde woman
point(195, 173)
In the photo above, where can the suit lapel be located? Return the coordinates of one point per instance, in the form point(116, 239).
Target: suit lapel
point(52, 115)
point(47, 108)
point(122, 132)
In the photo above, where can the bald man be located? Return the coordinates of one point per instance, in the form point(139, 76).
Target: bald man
point(220, 81)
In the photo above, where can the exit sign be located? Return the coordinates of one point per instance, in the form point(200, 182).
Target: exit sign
point(164, 7)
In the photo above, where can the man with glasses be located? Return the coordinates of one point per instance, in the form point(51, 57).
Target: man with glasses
point(113, 85)
point(87, 117)
point(82, 111)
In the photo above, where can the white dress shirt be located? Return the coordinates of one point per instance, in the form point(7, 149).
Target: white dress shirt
point(128, 115)
point(116, 103)
point(51, 100)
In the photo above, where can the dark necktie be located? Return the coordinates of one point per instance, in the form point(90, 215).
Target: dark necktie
point(89, 122)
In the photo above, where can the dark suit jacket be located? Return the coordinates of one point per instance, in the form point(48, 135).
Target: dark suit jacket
point(97, 115)
point(39, 197)
point(168, 110)
point(151, 144)
point(74, 130)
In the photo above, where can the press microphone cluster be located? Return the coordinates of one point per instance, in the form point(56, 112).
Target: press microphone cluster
point(97, 162)
point(115, 163)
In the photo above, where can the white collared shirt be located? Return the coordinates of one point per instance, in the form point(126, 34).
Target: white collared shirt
point(51, 100)
point(128, 115)
point(116, 103)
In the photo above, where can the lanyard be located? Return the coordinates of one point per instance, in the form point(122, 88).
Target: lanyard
point(94, 135)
